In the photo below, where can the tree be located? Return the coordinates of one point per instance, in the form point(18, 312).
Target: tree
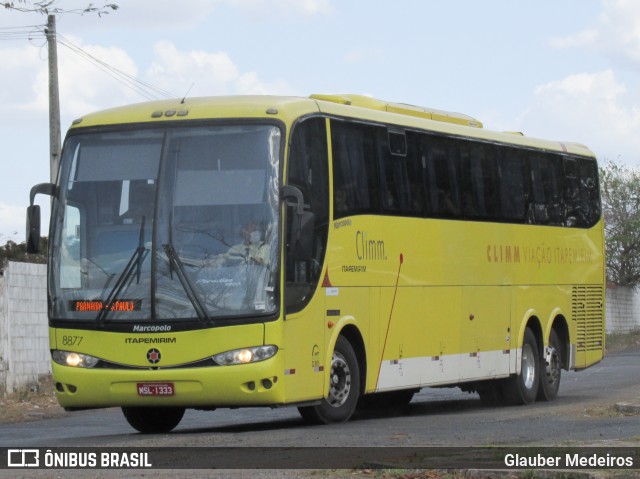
point(620, 191)
point(49, 7)
point(13, 251)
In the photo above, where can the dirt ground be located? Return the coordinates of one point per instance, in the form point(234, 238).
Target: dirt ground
point(31, 404)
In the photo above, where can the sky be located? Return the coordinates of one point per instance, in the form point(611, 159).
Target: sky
point(566, 70)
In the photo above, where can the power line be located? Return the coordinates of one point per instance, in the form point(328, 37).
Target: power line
point(143, 88)
point(23, 27)
point(31, 32)
point(28, 32)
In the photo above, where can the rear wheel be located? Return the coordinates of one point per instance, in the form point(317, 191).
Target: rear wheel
point(153, 420)
point(551, 368)
point(522, 388)
point(344, 388)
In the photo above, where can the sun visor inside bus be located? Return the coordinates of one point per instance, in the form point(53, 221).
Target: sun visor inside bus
point(224, 187)
point(114, 163)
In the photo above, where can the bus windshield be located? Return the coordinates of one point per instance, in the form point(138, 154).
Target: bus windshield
point(173, 223)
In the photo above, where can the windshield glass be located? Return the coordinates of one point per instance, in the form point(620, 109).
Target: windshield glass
point(167, 224)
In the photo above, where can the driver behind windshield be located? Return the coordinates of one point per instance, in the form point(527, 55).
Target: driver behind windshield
point(252, 250)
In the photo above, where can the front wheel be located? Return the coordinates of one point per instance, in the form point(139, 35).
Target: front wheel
point(522, 388)
point(153, 420)
point(344, 388)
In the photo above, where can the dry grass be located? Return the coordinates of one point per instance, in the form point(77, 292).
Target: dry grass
point(617, 342)
point(31, 403)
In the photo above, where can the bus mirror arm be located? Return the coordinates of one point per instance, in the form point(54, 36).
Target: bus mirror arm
point(302, 225)
point(33, 216)
point(289, 191)
point(304, 237)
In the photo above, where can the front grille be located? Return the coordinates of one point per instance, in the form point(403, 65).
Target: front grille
point(203, 363)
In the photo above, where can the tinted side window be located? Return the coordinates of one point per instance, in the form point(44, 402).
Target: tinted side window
point(574, 211)
point(441, 160)
point(416, 174)
point(354, 168)
point(513, 187)
point(546, 185)
point(589, 191)
point(394, 179)
point(480, 181)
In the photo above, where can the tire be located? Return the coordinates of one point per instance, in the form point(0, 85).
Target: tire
point(551, 371)
point(153, 420)
point(522, 388)
point(344, 388)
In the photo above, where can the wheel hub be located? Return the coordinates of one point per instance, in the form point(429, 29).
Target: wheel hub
point(340, 383)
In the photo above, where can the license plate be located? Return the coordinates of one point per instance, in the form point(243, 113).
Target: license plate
point(155, 389)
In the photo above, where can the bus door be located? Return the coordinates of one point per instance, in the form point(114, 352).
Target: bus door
point(306, 230)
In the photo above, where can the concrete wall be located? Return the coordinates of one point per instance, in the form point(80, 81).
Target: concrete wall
point(24, 334)
point(623, 309)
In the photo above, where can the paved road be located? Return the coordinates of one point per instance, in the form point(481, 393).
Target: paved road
point(583, 413)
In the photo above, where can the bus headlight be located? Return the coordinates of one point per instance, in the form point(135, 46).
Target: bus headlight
point(76, 360)
point(245, 355)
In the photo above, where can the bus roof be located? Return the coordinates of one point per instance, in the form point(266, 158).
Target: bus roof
point(288, 109)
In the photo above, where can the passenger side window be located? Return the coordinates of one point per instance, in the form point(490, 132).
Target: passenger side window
point(440, 158)
point(416, 171)
point(546, 185)
point(384, 169)
point(392, 156)
point(574, 212)
point(589, 192)
point(354, 169)
point(514, 194)
point(480, 182)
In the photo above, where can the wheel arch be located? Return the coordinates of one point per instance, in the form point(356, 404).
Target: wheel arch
point(561, 327)
point(532, 322)
point(352, 334)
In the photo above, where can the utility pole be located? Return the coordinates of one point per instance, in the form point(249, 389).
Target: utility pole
point(54, 99)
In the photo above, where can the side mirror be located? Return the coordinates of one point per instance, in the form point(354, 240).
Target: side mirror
point(33, 216)
point(33, 229)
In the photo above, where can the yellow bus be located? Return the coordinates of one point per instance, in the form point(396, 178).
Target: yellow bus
point(326, 253)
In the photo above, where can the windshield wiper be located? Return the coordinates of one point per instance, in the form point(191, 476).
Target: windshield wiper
point(176, 265)
point(134, 264)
